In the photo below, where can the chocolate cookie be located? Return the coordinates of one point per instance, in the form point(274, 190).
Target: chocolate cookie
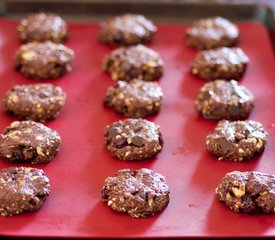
point(133, 139)
point(127, 29)
point(29, 142)
point(22, 189)
point(220, 63)
point(212, 32)
point(136, 62)
point(43, 60)
point(42, 27)
point(248, 192)
point(136, 99)
point(140, 193)
point(223, 99)
point(37, 102)
point(236, 141)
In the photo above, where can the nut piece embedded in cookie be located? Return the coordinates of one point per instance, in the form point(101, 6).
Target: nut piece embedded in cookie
point(212, 32)
point(126, 30)
point(37, 102)
point(136, 99)
point(43, 60)
point(220, 63)
point(29, 142)
point(133, 139)
point(136, 62)
point(221, 99)
point(22, 189)
point(139, 193)
point(248, 192)
point(237, 140)
point(41, 27)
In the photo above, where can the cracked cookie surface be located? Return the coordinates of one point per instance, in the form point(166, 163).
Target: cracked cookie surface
point(248, 192)
point(133, 139)
point(220, 63)
point(136, 99)
point(37, 102)
point(212, 32)
point(22, 189)
point(237, 140)
point(139, 193)
point(29, 142)
point(127, 29)
point(221, 99)
point(136, 62)
point(43, 60)
point(42, 27)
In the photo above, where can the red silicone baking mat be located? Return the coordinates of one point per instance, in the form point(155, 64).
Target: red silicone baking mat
point(75, 209)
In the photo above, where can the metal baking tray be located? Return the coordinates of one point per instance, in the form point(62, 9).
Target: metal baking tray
point(167, 11)
point(74, 208)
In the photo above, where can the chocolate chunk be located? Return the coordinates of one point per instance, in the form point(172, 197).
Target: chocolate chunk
point(16, 155)
point(225, 145)
point(253, 187)
point(138, 141)
point(234, 110)
point(29, 152)
point(113, 132)
point(105, 193)
point(120, 142)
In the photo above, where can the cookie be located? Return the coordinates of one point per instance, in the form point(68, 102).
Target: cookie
point(22, 189)
point(212, 32)
point(220, 63)
point(126, 30)
point(136, 99)
point(37, 102)
point(248, 192)
point(42, 27)
point(43, 60)
point(136, 62)
point(237, 140)
point(221, 99)
point(133, 139)
point(29, 142)
point(139, 193)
